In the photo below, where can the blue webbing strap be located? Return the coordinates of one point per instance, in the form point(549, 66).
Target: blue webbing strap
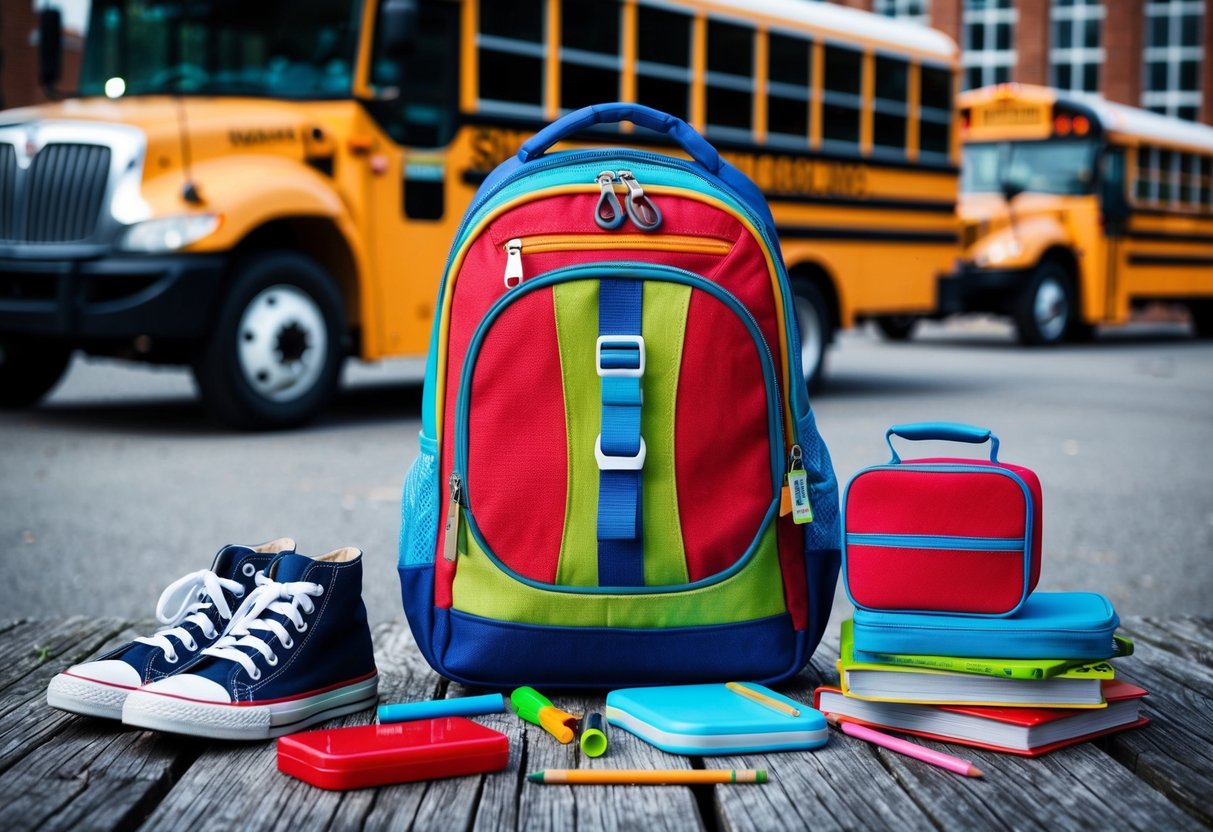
point(620, 530)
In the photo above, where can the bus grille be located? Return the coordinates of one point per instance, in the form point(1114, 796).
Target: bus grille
point(61, 199)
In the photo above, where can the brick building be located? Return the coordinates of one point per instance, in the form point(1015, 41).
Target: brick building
point(1147, 53)
point(19, 56)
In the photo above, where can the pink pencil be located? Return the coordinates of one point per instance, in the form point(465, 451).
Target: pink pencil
point(935, 758)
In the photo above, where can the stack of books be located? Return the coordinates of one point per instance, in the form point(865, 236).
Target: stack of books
point(1016, 705)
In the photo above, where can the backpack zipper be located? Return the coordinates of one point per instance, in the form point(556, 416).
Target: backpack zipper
point(547, 243)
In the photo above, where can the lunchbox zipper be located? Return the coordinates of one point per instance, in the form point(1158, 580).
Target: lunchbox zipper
point(627, 270)
point(937, 541)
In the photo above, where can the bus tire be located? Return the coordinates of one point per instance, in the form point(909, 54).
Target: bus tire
point(816, 324)
point(1044, 310)
point(273, 357)
point(897, 327)
point(1202, 318)
point(29, 369)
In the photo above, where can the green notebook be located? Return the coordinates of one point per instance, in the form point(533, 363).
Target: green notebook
point(1003, 668)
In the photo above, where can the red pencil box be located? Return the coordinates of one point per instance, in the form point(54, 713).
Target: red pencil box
point(374, 755)
point(942, 535)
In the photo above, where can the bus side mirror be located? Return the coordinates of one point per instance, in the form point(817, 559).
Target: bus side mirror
point(397, 27)
point(1011, 188)
point(50, 47)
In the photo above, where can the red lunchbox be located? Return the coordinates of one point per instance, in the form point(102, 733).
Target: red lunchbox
point(942, 535)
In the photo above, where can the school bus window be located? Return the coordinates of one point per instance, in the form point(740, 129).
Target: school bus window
point(416, 92)
point(935, 113)
point(663, 52)
point(889, 119)
point(511, 56)
point(729, 82)
point(1206, 181)
point(1143, 189)
point(789, 70)
point(589, 53)
point(1187, 179)
point(1166, 175)
point(841, 86)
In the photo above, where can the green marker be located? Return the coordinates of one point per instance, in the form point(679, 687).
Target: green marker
point(593, 735)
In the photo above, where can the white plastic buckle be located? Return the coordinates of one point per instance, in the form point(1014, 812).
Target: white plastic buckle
point(612, 340)
point(619, 463)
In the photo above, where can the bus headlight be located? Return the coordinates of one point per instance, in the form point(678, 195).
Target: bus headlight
point(1002, 250)
point(168, 233)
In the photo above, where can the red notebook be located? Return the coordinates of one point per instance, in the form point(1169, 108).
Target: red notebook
point(1028, 732)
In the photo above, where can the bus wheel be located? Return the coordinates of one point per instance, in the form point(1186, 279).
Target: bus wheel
point(897, 327)
point(29, 368)
point(1202, 318)
point(274, 356)
point(1045, 308)
point(816, 327)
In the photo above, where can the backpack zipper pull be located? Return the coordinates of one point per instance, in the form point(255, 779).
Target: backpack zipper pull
point(795, 496)
point(608, 213)
point(450, 543)
point(641, 209)
point(513, 263)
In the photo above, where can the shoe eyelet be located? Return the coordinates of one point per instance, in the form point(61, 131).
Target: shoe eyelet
point(255, 675)
point(249, 570)
point(288, 644)
point(192, 646)
point(272, 661)
point(320, 592)
point(301, 627)
point(171, 659)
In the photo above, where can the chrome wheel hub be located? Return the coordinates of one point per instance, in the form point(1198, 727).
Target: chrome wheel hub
point(282, 343)
point(1050, 309)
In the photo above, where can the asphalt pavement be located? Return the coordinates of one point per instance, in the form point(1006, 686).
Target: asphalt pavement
point(118, 484)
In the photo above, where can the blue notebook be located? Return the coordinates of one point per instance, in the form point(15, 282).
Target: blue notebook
point(711, 719)
point(1049, 625)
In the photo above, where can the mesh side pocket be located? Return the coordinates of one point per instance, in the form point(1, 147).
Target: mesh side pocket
point(419, 507)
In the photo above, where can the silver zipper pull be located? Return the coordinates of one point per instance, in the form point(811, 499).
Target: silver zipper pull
point(640, 208)
point(798, 488)
point(513, 263)
point(608, 213)
point(450, 541)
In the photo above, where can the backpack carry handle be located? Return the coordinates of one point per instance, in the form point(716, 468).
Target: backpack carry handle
point(946, 431)
point(677, 129)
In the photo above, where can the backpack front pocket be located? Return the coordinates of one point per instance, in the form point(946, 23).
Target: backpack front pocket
point(535, 463)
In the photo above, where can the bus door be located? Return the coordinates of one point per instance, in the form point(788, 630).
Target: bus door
point(1114, 215)
point(414, 78)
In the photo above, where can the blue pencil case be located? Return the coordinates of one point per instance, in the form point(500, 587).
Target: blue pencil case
point(1049, 625)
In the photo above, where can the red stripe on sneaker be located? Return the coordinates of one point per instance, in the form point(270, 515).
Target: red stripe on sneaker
point(253, 702)
point(98, 681)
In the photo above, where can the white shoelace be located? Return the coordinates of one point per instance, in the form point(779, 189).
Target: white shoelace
point(189, 597)
point(286, 599)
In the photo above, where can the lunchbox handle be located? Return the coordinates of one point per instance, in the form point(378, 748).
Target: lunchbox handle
point(946, 431)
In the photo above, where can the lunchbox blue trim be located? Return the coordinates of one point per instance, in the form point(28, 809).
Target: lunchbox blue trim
point(1072, 625)
point(1029, 527)
point(937, 541)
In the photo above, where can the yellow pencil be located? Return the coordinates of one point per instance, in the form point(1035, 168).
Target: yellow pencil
point(762, 699)
point(641, 777)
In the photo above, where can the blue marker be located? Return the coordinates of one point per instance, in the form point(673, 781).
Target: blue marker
point(490, 703)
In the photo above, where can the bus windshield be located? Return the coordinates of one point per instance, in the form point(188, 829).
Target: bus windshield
point(1061, 167)
point(280, 48)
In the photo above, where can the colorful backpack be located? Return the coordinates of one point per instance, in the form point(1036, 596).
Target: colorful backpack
point(613, 405)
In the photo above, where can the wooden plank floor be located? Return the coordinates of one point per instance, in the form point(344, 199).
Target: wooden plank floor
point(64, 772)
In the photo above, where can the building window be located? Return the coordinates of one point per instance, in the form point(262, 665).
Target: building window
point(511, 57)
point(589, 53)
point(730, 79)
point(1077, 50)
point(914, 11)
point(789, 73)
point(663, 52)
point(988, 36)
point(1171, 66)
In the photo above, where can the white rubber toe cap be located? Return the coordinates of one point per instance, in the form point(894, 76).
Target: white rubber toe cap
point(109, 672)
point(191, 687)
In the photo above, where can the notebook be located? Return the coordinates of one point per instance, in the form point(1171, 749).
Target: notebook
point(1029, 732)
point(1073, 688)
point(1003, 668)
point(711, 719)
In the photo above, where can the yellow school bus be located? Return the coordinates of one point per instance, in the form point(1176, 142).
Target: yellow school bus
point(259, 189)
point(1075, 210)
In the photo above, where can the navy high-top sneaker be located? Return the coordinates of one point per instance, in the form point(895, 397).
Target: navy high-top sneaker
point(297, 652)
point(195, 610)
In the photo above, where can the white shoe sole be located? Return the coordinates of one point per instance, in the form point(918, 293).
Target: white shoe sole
point(87, 696)
point(214, 720)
